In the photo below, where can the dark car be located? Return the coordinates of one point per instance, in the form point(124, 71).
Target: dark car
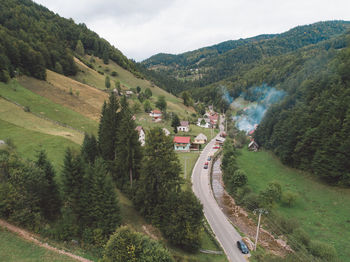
point(241, 246)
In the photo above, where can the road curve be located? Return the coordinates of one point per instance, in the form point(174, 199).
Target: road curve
point(222, 228)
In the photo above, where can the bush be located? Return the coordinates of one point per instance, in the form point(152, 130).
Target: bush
point(289, 198)
point(114, 73)
point(251, 201)
point(299, 239)
point(26, 109)
point(322, 250)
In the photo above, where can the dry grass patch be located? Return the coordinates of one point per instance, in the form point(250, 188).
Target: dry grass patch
point(72, 94)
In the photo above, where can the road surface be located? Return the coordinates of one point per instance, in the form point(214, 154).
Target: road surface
point(222, 228)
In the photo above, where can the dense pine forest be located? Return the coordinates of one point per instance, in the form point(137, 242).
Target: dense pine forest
point(32, 38)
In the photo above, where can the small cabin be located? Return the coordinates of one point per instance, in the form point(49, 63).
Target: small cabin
point(253, 146)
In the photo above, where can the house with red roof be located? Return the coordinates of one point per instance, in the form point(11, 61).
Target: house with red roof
point(214, 119)
point(156, 115)
point(182, 143)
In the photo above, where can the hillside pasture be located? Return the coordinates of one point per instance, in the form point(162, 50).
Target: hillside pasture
point(16, 115)
point(321, 210)
point(69, 93)
point(46, 108)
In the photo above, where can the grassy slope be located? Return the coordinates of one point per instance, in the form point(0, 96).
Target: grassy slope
point(17, 116)
point(323, 211)
point(27, 142)
point(84, 99)
point(128, 81)
point(40, 105)
point(14, 249)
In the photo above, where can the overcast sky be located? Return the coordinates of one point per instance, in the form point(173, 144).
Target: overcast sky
point(142, 28)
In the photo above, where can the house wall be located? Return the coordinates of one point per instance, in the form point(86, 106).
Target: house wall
point(182, 147)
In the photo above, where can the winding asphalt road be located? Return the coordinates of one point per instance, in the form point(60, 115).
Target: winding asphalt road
point(222, 228)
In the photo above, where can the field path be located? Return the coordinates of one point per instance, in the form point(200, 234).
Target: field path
point(30, 237)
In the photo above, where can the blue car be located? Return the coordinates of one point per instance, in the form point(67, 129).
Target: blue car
point(241, 246)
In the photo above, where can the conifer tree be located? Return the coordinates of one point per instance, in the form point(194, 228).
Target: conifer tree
point(102, 212)
point(80, 48)
point(128, 148)
point(51, 202)
point(108, 128)
point(72, 183)
point(89, 149)
point(160, 173)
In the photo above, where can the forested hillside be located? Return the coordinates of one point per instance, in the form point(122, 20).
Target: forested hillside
point(311, 128)
point(230, 60)
point(33, 39)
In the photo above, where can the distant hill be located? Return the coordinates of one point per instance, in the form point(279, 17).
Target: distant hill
point(33, 39)
point(211, 64)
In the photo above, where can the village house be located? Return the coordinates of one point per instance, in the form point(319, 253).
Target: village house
point(253, 146)
point(142, 135)
point(166, 131)
point(204, 122)
point(156, 115)
point(200, 139)
point(184, 126)
point(182, 143)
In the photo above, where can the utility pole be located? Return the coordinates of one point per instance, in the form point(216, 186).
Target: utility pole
point(261, 211)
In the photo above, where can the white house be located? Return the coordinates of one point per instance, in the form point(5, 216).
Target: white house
point(204, 122)
point(142, 135)
point(184, 126)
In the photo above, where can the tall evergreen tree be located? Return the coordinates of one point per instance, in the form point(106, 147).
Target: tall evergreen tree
point(102, 212)
point(175, 122)
point(72, 183)
point(89, 149)
point(79, 48)
point(128, 148)
point(160, 173)
point(51, 202)
point(108, 128)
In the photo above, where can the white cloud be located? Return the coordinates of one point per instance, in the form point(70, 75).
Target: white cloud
point(143, 28)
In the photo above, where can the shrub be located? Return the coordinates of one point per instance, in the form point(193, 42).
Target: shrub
point(114, 73)
point(251, 201)
point(322, 250)
point(26, 109)
point(289, 198)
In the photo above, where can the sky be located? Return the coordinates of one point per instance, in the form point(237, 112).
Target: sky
point(142, 28)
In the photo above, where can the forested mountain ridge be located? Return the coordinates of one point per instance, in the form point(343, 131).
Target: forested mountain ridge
point(33, 39)
point(209, 65)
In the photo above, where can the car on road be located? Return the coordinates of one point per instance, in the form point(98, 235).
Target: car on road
point(241, 246)
point(206, 164)
point(216, 147)
point(209, 158)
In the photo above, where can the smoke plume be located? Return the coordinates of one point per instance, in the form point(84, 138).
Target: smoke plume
point(261, 98)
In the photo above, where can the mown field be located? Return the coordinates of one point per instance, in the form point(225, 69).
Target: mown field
point(321, 210)
point(46, 108)
point(15, 249)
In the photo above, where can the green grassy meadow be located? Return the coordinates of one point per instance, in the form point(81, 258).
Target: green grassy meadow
point(40, 105)
point(322, 210)
point(27, 142)
point(14, 249)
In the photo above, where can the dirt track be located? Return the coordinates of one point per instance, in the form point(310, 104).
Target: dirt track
point(30, 237)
